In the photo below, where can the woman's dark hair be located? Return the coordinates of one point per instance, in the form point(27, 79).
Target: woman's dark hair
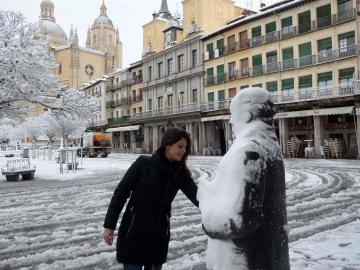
point(173, 135)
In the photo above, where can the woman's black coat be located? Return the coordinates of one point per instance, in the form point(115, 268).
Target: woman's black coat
point(144, 232)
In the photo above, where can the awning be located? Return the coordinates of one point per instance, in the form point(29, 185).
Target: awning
point(305, 113)
point(358, 111)
point(215, 118)
point(127, 128)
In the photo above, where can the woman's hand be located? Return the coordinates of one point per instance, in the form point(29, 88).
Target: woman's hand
point(108, 236)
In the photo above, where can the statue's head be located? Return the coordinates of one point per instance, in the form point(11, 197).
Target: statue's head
point(251, 104)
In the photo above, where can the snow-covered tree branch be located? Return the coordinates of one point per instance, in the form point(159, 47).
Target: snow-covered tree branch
point(26, 73)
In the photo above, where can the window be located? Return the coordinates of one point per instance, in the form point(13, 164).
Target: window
point(160, 102)
point(286, 26)
point(231, 70)
point(169, 66)
point(271, 61)
point(304, 20)
point(346, 44)
point(272, 86)
point(232, 92)
point(288, 58)
point(323, 15)
point(60, 68)
point(231, 43)
point(180, 62)
point(160, 69)
point(194, 96)
point(194, 58)
point(257, 64)
point(221, 99)
point(256, 35)
point(117, 114)
point(170, 100)
point(211, 100)
point(181, 99)
point(244, 67)
point(287, 84)
point(244, 42)
point(324, 49)
point(150, 73)
point(140, 110)
point(244, 86)
point(210, 76)
point(220, 46)
point(134, 110)
point(220, 73)
point(306, 58)
point(270, 27)
point(149, 104)
point(346, 75)
point(257, 85)
point(305, 87)
point(325, 83)
point(210, 50)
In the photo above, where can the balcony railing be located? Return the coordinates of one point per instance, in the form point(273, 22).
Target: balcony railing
point(135, 99)
point(96, 123)
point(136, 80)
point(121, 102)
point(287, 32)
point(221, 78)
point(187, 108)
point(216, 105)
point(119, 120)
point(304, 61)
point(320, 92)
point(109, 104)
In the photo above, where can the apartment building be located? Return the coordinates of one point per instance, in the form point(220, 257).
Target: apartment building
point(306, 54)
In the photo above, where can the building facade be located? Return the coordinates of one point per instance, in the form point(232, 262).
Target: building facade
point(306, 53)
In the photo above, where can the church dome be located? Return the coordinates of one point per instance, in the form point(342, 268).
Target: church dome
point(47, 24)
point(51, 29)
point(103, 19)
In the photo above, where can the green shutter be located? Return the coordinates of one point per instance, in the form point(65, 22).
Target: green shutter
point(324, 44)
point(323, 77)
point(287, 84)
point(220, 46)
point(288, 54)
point(286, 22)
point(340, 2)
point(210, 49)
point(304, 17)
point(272, 86)
point(256, 31)
point(221, 95)
point(305, 81)
point(304, 20)
point(270, 27)
point(220, 73)
point(211, 97)
point(324, 11)
point(346, 73)
point(347, 35)
point(210, 72)
point(257, 60)
point(305, 49)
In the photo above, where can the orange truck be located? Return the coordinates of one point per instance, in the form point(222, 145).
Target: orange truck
point(96, 144)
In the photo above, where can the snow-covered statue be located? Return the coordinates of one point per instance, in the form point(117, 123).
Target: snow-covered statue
point(243, 209)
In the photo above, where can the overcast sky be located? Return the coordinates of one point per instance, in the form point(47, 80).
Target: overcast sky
point(127, 15)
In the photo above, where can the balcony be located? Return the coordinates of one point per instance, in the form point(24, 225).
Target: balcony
point(136, 99)
point(288, 32)
point(213, 80)
point(109, 104)
point(164, 112)
point(119, 120)
point(316, 93)
point(217, 105)
point(121, 102)
point(99, 123)
point(137, 79)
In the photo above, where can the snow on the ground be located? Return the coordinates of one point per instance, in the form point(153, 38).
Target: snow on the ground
point(49, 223)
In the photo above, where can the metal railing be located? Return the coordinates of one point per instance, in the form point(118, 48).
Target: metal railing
point(304, 61)
point(287, 32)
point(119, 120)
point(319, 92)
point(187, 108)
point(135, 99)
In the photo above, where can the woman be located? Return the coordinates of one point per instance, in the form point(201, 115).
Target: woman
point(152, 183)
